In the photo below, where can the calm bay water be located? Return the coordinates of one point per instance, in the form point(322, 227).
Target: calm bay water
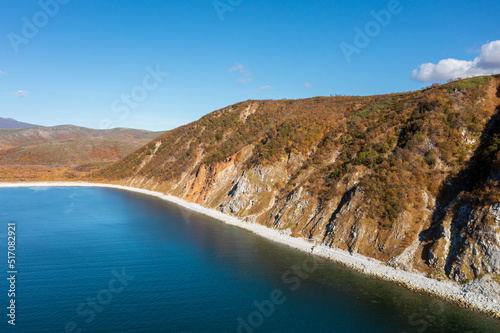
point(103, 260)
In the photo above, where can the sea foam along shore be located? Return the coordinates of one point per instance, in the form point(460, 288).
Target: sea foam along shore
point(473, 296)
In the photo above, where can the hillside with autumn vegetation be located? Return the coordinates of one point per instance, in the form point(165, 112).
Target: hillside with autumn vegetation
point(410, 178)
point(64, 152)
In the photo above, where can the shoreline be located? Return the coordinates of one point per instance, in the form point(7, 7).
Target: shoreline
point(448, 291)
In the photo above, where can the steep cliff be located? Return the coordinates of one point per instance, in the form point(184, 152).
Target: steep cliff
point(411, 179)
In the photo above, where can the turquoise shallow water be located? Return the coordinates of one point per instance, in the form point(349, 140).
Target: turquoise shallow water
point(103, 260)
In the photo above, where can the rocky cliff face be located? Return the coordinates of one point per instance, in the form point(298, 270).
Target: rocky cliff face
point(411, 179)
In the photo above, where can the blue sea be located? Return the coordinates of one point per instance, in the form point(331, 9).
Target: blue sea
point(105, 260)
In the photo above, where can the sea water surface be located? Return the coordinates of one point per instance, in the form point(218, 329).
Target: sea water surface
point(106, 260)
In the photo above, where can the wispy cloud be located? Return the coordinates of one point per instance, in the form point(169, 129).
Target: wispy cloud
point(3, 73)
point(248, 75)
point(487, 63)
point(308, 85)
point(264, 88)
point(19, 93)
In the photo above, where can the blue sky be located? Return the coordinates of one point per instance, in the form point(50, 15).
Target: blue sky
point(85, 57)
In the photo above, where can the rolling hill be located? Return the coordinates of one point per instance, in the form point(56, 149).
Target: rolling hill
point(64, 151)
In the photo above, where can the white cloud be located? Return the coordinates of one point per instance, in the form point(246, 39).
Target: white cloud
point(487, 63)
point(248, 75)
point(308, 85)
point(3, 73)
point(19, 93)
point(264, 88)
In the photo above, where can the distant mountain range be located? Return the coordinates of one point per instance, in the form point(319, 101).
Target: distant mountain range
point(9, 123)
